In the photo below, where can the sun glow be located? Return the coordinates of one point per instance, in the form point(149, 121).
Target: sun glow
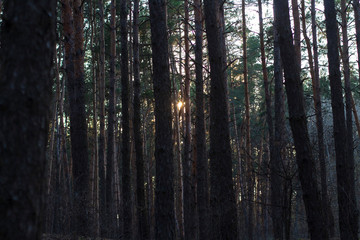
point(179, 104)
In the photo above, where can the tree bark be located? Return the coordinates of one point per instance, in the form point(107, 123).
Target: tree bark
point(202, 163)
point(344, 165)
point(189, 188)
point(349, 224)
point(74, 58)
point(276, 170)
point(27, 48)
point(297, 32)
point(314, 72)
point(126, 180)
point(140, 182)
point(111, 154)
point(102, 140)
point(248, 158)
point(222, 196)
point(356, 7)
point(298, 123)
point(164, 187)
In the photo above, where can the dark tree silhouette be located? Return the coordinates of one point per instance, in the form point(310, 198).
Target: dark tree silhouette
point(26, 57)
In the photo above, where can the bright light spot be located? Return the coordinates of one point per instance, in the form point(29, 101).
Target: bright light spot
point(179, 104)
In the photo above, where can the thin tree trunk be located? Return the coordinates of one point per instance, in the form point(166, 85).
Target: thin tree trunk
point(140, 182)
point(125, 98)
point(111, 156)
point(27, 40)
point(202, 164)
point(164, 186)
point(349, 224)
point(102, 140)
point(298, 123)
point(188, 194)
point(248, 159)
point(94, 170)
point(356, 7)
point(222, 195)
point(314, 72)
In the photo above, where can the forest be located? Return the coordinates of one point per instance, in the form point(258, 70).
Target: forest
point(179, 119)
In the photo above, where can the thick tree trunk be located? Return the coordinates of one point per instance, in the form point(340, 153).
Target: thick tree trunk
point(222, 195)
point(140, 182)
point(74, 57)
point(298, 123)
point(126, 180)
point(202, 164)
point(164, 186)
point(348, 214)
point(276, 169)
point(27, 48)
point(297, 32)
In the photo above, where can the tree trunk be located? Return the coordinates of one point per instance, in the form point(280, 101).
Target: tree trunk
point(164, 186)
point(222, 195)
point(314, 72)
point(298, 123)
point(248, 159)
point(126, 180)
point(102, 140)
point(356, 7)
point(111, 156)
point(74, 58)
point(189, 194)
point(344, 165)
point(297, 32)
point(202, 164)
point(349, 224)
point(276, 170)
point(27, 39)
point(140, 182)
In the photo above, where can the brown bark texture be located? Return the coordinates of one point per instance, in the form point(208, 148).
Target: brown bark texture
point(140, 182)
point(201, 158)
point(125, 100)
point(164, 187)
point(222, 196)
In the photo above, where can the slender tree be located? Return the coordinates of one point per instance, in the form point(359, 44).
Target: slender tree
point(126, 181)
point(140, 183)
point(248, 159)
point(348, 215)
point(298, 123)
point(74, 58)
point(102, 140)
point(111, 154)
point(222, 196)
point(27, 48)
point(356, 7)
point(314, 72)
point(201, 164)
point(164, 187)
point(349, 226)
point(188, 194)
